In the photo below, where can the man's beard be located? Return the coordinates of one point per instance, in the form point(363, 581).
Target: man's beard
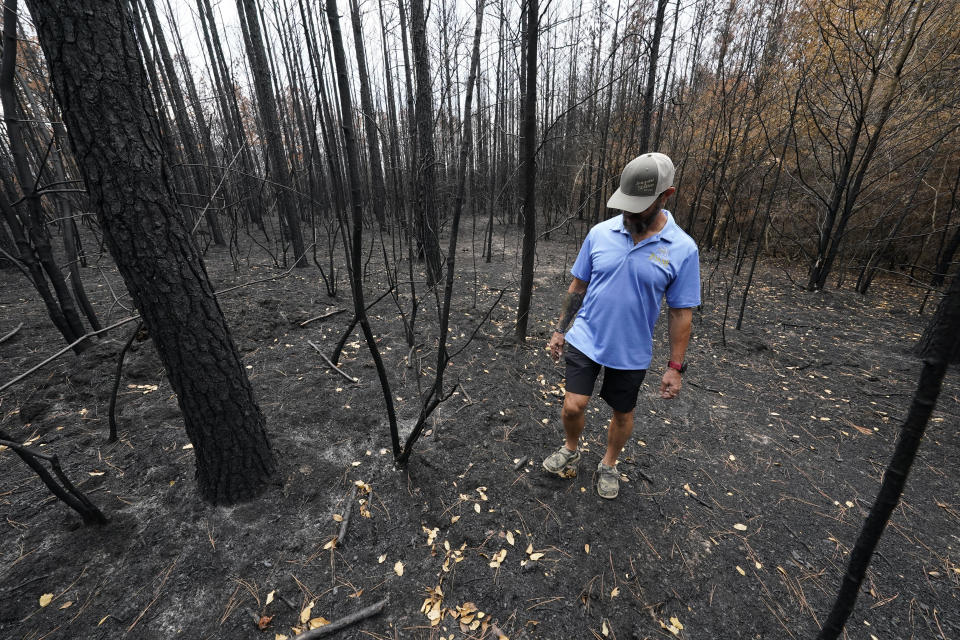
point(639, 226)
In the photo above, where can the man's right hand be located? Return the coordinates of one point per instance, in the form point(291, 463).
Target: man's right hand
point(556, 345)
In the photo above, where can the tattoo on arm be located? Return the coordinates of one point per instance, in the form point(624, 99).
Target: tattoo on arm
point(571, 304)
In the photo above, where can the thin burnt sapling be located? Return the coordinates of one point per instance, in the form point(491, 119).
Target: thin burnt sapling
point(65, 490)
point(945, 331)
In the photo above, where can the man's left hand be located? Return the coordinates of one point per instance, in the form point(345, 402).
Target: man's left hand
point(671, 383)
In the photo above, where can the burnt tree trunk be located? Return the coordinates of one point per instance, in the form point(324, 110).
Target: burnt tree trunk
point(378, 190)
point(99, 80)
point(30, 229)
point(938, 350)
point(647, 115)
point(267, 106)
point(427, 220)
point(528, 169)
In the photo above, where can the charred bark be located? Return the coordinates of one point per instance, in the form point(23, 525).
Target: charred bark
point(99, 80)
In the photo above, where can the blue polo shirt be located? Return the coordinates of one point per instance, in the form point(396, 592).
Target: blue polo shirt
point(626, 283)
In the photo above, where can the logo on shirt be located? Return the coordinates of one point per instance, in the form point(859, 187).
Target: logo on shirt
point(661, 256)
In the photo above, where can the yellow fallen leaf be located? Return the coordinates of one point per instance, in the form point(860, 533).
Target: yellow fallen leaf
point(337, 517)
point(280, 636)
point(675, 622)
point(318, 622)
point(66, 604)
point(536, 556)
point(103, 619)
point(615, 592)
point(498, 558)
point(381, 559)
point(687, 488)
point(46, 599)
point(270, 596)
point(741, 571)
point(305, 614)
point(187, 446)
point(740, 527)
point(510, 537)
point(398, 568)
point(672, 629)
point(530, 548)
point(454, 519)
point(476, 507)
point(331, 544)
point(586, 548)
point(604, 629)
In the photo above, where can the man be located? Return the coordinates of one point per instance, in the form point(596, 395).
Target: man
point(625, 267)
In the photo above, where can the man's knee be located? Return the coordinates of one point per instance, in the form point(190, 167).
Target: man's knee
point(574, 405)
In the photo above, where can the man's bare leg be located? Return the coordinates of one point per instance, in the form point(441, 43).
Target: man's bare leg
point(572, 416)
point(621, 426)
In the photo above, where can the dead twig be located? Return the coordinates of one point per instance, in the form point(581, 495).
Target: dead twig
point(333, 366)
point(346, 516)
point(333, 627)
point(644, 476)
point(322, 316)
point(704, 387)
point(11, 334)
point(166, 575)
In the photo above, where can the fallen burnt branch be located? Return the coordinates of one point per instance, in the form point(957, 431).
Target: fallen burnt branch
point(12, 333)
point(333, 366)
point(346, 516)
point(321, 317)
point(353, 618)
point(73, 497)
point(704, 387)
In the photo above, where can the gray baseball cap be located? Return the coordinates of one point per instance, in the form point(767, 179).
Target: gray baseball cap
point(643, 179)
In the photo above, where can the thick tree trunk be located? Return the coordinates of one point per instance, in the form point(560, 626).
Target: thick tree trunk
point(98, 78)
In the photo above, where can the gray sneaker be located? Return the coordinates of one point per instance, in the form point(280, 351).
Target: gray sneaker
point(608, 481)
point(563, 463)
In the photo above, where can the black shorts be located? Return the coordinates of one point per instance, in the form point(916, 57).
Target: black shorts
point(620, 386)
